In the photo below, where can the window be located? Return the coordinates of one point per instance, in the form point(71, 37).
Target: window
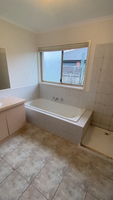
point(64, 64)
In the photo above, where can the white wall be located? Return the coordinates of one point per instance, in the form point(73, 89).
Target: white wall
point(21, 53)
point(98, 32)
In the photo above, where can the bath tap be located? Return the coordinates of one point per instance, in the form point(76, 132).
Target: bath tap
point(56, 98)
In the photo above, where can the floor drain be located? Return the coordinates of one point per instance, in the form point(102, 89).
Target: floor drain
point(106, 133)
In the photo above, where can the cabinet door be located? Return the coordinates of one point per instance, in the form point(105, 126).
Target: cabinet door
point(3, 126)
point(16, 118)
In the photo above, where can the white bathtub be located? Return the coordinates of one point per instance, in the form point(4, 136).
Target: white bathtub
point(58, 109)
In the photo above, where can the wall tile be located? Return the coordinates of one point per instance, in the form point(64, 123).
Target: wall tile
point(111, 123)
point(104, 126)
point(108, 110)
point(109, 51)
point(100, 98)
point(95, 75)
point(107, 64)
point(100, 50)
point(95, 123)
point(97, 63)
point(103, 88)
point(98, 108)
point(105, 119)
point(109, 100)
point(91, 96)
point(105, 76)
point(96, 117)
point(90, 105)
point(93, 86)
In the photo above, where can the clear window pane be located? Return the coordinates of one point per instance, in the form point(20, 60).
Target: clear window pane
point(51, 62)
point(74, 65)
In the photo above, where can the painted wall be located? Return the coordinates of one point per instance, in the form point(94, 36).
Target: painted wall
point(95, 97)
point(21, 52)
point(98, 32)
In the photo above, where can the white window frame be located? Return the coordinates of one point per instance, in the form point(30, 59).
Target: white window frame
point(62, 48)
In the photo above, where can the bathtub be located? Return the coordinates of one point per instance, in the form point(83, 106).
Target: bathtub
point(68, 122)
point(68, 112)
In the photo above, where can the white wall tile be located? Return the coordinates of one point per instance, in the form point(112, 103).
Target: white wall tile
point(96, 117)
point(109, 100)
point(107, 64)
point(110, 90)
point(105, 76)
point(95, 75)
point(97, 63)
point(104, 126)
point(100, 98)
point(105, 119)
point(109, 50)
point(90, 105)
point(103, 88)
point(91, 96)
point(108, 110)
point(100, 50)
point(111, 123)
point(95, 123)
point(93, 86)
point(98, 108)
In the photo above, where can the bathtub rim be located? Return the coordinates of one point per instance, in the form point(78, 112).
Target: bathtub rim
point(80, 123)
point(54, 114)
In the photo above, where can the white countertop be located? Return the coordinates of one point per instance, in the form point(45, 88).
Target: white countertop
point(10, 102)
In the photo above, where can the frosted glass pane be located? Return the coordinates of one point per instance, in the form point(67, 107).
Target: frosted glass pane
point(74, 65)
point(51, 62)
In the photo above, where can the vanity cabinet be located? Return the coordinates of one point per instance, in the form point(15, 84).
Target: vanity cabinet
point(3, 126)
point(12, 116)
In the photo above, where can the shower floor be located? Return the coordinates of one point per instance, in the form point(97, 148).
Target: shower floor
point(99, 140)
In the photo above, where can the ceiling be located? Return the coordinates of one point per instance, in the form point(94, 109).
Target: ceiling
point(46, 15)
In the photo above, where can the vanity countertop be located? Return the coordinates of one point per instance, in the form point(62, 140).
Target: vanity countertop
point(10, 102)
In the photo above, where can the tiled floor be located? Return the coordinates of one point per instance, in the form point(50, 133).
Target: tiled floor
point(37, 165)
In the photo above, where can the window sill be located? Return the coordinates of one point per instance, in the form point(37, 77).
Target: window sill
point(63, 86)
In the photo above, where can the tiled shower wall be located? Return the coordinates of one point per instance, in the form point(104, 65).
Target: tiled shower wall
point(103, 75)
point(100, 95)
point(29, 92)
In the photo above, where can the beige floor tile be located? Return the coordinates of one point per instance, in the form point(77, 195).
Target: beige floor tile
point(47, 182)
point(31, 167)
point(32, 194)
point(90, 197)
point(7, 147)
point(5, 170)
point(104, 167)
point(67, 149)
point(101, 187)
point(79, 173)
point(12, 187)
point(87, 157)
point(16, 157)
point(43, 152)
point(60, 162)
point(69, 191)
point(20, 138)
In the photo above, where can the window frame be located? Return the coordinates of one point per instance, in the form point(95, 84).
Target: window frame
point(52, 48)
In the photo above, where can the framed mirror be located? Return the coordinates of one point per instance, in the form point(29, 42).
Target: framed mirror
point(4, 74)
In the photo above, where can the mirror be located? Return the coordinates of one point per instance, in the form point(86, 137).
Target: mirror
point(4, 75)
